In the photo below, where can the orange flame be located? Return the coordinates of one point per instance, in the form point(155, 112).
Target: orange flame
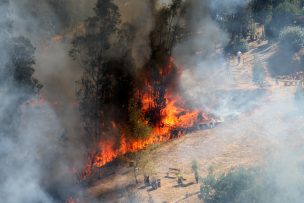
point(173, 116)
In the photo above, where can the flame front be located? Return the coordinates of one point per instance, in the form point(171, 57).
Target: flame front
point(174, 116)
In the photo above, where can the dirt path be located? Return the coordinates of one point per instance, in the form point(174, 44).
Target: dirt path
point(242, 73)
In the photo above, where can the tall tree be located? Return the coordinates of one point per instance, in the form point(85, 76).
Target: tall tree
point(17, 83)
point(100, 77)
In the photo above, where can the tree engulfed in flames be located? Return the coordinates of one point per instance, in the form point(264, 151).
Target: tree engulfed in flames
point(173, 116)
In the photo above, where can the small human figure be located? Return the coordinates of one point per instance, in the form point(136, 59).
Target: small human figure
point(147, 180)
point(239, 55)
point(179, 179)
point(158, 183)
point(154, 184)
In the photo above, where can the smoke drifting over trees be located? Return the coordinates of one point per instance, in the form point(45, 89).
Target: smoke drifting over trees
point(75, 74)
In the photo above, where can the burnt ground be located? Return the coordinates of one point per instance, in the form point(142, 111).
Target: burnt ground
point(243, 140)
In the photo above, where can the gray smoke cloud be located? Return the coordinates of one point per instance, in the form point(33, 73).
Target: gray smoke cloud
point(206, 81)
point(37, 145)
point(23, 157)
point(50, 25)
point(139, 14)
point(201, 56)
point(38, 149)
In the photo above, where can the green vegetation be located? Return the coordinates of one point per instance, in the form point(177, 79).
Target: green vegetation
point(238, 186)
point(139, 129)
point(292, 37)
point(239, 45)
point(195, 169)
point(142, 164)
point(274, 15)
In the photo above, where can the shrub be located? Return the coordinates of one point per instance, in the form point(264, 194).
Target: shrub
point(194, 166)
point(283, 15)
point(287, 10)
point(227, 188)
point(292, 37)
point(238, 186)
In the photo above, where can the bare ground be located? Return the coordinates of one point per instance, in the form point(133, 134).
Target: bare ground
point(242, 141)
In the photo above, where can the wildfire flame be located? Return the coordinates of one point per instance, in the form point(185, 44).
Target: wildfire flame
point(174, 116)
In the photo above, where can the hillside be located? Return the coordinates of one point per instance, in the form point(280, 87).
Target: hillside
point(236, 142)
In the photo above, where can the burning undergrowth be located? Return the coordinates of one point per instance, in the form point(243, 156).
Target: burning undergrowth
point(156, 113)
point(127, 105)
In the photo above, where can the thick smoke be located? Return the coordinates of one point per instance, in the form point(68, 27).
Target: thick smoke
point(139, 14)
point(206, 81)
point(50, 25)
point(22, 140)
point(27, 157)
point(206, 70)
point(279, 124)
point(37, 149)
point(44, 19)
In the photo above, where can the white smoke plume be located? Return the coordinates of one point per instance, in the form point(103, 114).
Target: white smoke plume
point(33, 147)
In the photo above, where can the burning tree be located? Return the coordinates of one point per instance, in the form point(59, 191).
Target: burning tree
point(126, 108)
point(100, 75)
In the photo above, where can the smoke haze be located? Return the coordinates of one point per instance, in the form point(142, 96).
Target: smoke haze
point(35, 150)
point(33, 146)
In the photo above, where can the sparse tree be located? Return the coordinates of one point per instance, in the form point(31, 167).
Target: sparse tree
point(17, 77)
point(226, 188)
point(238, 186)
point(195, 167)
point(139, 130)
point(292, 37)
point(95, 88)
point(170, 29)
point(262, 10)
point(238, 23)
point(284, 13)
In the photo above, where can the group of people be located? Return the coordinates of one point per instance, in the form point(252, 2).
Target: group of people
point(154, 183)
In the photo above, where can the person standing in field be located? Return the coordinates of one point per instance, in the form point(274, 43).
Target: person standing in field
point(239, 55)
